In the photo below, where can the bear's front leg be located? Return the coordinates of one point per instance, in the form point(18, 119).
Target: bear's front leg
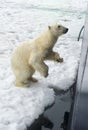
point(57, 57)
point(40, 66)
point(43, 69)
point(54, 56)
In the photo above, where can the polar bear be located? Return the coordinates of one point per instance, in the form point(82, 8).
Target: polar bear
point(29, 56)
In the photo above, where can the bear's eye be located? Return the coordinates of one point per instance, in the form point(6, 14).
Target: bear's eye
point(59, 26)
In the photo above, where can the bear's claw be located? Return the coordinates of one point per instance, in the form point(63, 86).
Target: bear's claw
point(46, 75)
point(60, 60)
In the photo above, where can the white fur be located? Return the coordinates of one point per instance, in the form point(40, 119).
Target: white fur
point(29, 56)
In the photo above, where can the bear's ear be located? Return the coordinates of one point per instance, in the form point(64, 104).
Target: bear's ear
point(49, 27)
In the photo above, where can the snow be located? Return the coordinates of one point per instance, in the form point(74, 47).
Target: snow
point(20, 106)
point(21, 20)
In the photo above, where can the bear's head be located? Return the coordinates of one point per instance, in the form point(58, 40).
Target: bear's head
point(57, 30)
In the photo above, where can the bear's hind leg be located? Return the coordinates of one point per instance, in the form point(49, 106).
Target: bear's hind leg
point(23, 75)
point(18, 83)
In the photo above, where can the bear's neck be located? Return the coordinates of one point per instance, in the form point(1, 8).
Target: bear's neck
point(50, 39)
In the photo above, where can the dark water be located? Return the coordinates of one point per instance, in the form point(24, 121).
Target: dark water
point(55, 116)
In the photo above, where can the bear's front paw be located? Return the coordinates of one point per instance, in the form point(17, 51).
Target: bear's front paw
point(57, 58)
point(45, 72)
point(60, 60)
point(45, 75)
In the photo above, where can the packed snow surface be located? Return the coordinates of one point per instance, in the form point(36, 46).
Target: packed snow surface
point(21, 20)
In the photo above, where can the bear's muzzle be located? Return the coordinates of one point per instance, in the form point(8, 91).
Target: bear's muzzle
point(65, 30)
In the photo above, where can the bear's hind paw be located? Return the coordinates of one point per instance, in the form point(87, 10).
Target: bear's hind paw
point(33, 79)
point(21, 84)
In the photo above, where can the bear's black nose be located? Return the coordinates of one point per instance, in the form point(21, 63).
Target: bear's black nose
point(66, 30)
